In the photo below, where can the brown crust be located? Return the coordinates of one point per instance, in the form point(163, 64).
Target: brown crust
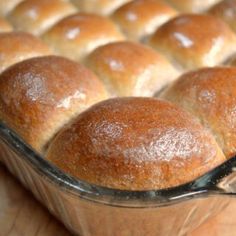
point(79, 34)
point(131, 69)
point(135, 144)
point(7, 5)
point(18, 46)
point(193, 40)
point(210, 95)
point(231, 61)
point(36, 16)
point(5, 26)
point(38, 96)
point(226, 10)
point(140, 18)
point(192, 5)
point(103, 7)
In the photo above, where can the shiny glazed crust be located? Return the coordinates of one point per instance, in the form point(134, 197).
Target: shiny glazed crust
point(8, 5)
point(103, 7)
point(36, 16)
point(131, 69)
point(79, 34)
point(210, 95)
point(18, 46)
point(135, 144)
point(140, 18)
point(38, 96)
point(191, 41)
point(192, 5)
point(226, 10)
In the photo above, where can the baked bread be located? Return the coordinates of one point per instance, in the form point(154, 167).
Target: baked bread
point(193, 5)
point(7, 5)
point(191, 41)
point(77, 35)
point(231, 61)
point(38, 96)
point(4, 26)
point(103, 7)
point(226, 10)
point(131, 69)
point(36, 16)
point(135, 144)
point(140, 18)
point(18, 46)
point(210, 95)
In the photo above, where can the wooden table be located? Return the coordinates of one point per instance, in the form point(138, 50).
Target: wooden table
point(21, 215)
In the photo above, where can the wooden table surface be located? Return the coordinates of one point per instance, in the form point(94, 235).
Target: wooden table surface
point(22, 215)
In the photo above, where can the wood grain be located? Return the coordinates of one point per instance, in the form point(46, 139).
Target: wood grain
point(22, 215)
point(224, 224)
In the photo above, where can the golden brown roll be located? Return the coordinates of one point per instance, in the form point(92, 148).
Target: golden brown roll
point(191, 41)
point(135, 144)
point(231, 61)
point(192, 5)
point(210, 95)
point(79, 34)
point(36, 16)
point(131, 69)
point(18, 46)
point(103, 7)
point(140, 18)
point(226, 10)
point(38, 96)
point(4, 26)
point(7, 5)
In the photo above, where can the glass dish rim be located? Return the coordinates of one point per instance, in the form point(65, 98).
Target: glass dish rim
point(104, 195)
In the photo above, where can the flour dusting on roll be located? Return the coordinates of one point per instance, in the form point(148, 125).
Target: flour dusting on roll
point(210, 95)
point(191, 41)
point(36, 16)
point(140, 18)
point(131, 69)
point(18, 46)
point(40, 95)
point(78, 35)
point(135, 144)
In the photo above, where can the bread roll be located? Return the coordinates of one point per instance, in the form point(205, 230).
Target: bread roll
point(192, 5)
point(38, 96)
point(135, 144)
point(191, 41)
point(140, 18)
point(231, 61)
point(210, 95)
point(4, 26)
point(36, 16)
point(131, 69)
point(226, 10)
point(103, 7)
point(79, 34)
point(7, 5)
point(18, 46)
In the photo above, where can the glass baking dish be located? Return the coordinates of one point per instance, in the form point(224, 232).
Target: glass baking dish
point(90, 210)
